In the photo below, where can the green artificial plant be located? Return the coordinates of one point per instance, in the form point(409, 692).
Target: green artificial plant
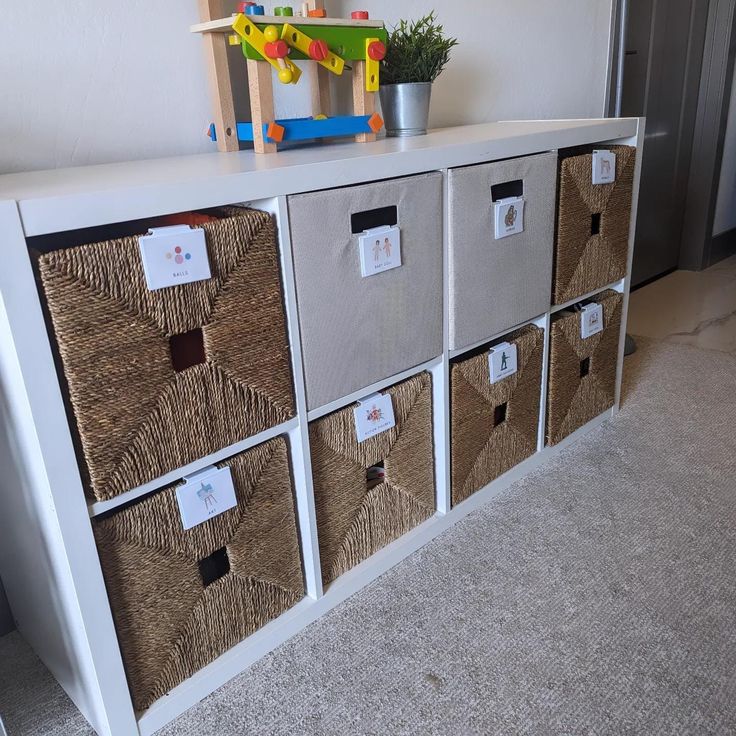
point(417, 51)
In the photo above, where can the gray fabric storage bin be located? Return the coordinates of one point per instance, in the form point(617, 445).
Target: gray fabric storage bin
point(356, 331)
point(498, 284)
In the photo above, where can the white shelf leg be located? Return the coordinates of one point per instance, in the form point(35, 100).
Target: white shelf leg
point(299, 436)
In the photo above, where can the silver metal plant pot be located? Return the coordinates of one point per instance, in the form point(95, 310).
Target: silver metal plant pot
point(406, 108)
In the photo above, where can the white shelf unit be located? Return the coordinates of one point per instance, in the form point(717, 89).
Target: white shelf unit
point(48, 558)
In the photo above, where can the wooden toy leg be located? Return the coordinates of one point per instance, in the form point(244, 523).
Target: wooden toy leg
point(216, 47)
point(321, 97)
point(260, 84)
point(364, 103)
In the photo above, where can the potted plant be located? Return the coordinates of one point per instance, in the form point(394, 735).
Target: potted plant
point(416, 53)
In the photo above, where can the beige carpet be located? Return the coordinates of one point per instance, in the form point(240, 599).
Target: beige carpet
point(598, 596)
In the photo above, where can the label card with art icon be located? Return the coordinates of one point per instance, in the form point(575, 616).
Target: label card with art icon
point(591, 320)
point(373, 415)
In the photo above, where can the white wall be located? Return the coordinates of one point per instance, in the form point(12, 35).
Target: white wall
point(725, 217)
point(92, 81)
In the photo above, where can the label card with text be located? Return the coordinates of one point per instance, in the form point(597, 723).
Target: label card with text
point(509, 216)
point(205, 494)
point(591, 320)
point(373, 416)
point(380, 250)
point(502, 361)
point(604, 167)
point(174, 255)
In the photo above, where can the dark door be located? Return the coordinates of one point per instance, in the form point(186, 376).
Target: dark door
point(662, 65)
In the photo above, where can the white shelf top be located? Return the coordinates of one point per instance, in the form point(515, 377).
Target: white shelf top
point(67, 199)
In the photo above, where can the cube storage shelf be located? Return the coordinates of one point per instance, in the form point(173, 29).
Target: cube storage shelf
point(288, 321)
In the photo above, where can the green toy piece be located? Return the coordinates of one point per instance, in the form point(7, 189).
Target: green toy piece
point(348, 43)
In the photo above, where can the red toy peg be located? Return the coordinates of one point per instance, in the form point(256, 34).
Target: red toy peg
point(276, 49)
point(359, 15)
point(318, 50)
point(243, 6)
point(377, 50)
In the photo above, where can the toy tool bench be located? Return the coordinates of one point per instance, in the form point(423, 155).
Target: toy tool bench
point(275, 42)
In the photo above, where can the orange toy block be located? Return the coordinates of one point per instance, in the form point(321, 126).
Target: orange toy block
point(318, 13)
point(375, 122)
point(276, 132)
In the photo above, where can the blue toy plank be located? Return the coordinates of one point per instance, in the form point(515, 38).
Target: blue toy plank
point(304, 129)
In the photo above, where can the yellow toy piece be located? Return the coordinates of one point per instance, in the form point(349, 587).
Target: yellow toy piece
point(288, 71)
point(301, 42)
point(371, 68)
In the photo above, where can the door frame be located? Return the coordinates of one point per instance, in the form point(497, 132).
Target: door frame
point(698, 248)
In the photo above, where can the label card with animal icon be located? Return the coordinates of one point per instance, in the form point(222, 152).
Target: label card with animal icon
point(174, 255)
point(502, 361)
point(204, 495)
point(509, 215)
point(604, 167)
point(380, 250)
point(591, 320)
point(373, 415)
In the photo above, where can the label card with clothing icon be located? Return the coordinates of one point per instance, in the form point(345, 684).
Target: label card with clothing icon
point(204, 495)
point(380, 250)
point(604, 167)
point(502, 361)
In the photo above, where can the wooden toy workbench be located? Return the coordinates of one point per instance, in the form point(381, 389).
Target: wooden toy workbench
point(351, 281)
point(274, 42)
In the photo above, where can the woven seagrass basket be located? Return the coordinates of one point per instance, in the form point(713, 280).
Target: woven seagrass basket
point(494, 426)
point(180, 598)
point(592, 243)
point(158, 379)
point(353, 520)
point(582, 373)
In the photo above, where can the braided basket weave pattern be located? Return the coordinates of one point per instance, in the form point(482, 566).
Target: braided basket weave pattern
point(481, 451)
point(136, 416)
point(572, 400)
point(169, 623)
point(352, 521)
point(585, 261)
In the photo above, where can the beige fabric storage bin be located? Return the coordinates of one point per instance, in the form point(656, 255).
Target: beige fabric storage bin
point(356, 331)
point(159, 379)
point(494, 426)
point(497, 284)
point(355, 520)
point(592, 225)
point(181, 598)
point(582, 373)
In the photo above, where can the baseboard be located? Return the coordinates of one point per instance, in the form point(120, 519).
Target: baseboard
point(721, 247)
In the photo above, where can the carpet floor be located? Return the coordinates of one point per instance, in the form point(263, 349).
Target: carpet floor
point(597, 596)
